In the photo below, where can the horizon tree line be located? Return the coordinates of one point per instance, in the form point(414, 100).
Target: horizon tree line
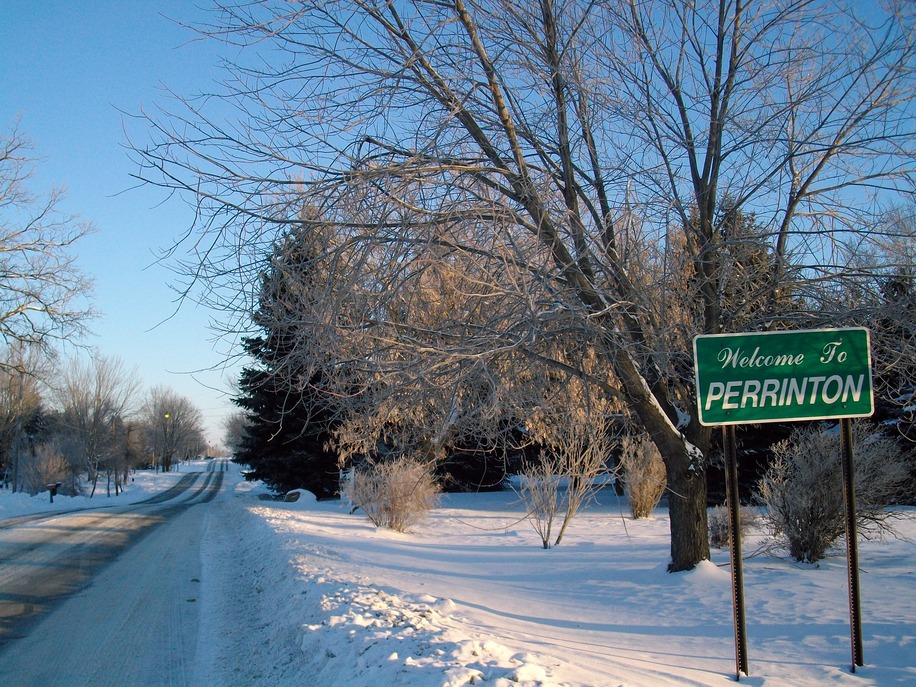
point(91, 428)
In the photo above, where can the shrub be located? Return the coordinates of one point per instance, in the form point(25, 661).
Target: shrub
point(643, 474)
point(47, 465)
point(393, 494)
point(559, 483)
point(803, 488)
point(719, 536)
point(540, 490)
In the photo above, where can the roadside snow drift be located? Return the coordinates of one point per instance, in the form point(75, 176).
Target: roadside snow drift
point(311, 594)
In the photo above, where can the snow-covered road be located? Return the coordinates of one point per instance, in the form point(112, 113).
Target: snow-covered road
point(82, 603)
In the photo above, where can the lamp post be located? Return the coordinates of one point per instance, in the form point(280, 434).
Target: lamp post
point(167, 442)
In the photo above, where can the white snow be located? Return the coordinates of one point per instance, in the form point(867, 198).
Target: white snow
point(305, 593)
point(143, 485)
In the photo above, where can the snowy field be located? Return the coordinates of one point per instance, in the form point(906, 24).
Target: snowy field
point(307, 594)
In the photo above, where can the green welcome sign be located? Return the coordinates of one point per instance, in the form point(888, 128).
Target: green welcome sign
point(783, 376)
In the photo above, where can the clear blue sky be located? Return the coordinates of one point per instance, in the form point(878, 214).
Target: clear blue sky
point(66, 69)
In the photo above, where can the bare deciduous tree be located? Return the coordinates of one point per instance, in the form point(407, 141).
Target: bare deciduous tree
point(94, 398)
point(173, 426)
point(540, 492)
point(20, 399)
point(883, 296)
point(234, 426)
point(126, 453)
point(42, 292)
point(523, 141)
point(557, 485)
point(575, 426)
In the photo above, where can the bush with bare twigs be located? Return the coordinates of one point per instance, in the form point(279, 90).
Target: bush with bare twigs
point(803, 489)
point(539, 489)
point(393, 494)
point(643, 474)
point(47, 465)
point(719, 536)
point(558, 484)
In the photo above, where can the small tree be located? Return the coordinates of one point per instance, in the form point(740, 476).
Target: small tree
point(803, 492)
point(644, 474)
point(540, 491)
point(393, 494)
point(582, 459)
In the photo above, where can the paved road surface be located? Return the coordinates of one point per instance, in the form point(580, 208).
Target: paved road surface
point(107, 596)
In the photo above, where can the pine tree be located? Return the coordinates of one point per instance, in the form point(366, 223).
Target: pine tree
point(289, 419)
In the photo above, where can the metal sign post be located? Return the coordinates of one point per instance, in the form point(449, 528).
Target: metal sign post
point(814, 374)
point(734, 534)
point(852, 545)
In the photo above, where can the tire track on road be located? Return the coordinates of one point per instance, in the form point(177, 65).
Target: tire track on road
point(48, 557)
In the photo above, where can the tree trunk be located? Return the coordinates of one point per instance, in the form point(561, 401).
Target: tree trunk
point(685, 469)
point(685, 473)
point(687, 512)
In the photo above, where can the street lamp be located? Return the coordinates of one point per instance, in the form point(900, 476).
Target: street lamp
point(167, 441)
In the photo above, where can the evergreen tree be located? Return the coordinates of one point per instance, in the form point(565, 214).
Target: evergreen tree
point(289, 419)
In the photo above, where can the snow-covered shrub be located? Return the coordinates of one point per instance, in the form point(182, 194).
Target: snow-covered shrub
point(803, 488)
point(47, 465)
point(719, 536)
point(393, 494)
point(643, 474)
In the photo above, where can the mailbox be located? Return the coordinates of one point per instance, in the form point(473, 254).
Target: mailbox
point(52, 489)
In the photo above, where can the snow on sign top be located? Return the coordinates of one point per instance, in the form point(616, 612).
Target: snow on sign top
point(812, 374)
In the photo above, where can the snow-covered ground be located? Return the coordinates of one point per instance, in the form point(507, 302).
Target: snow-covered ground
point(306, 593)
point(143, 484)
